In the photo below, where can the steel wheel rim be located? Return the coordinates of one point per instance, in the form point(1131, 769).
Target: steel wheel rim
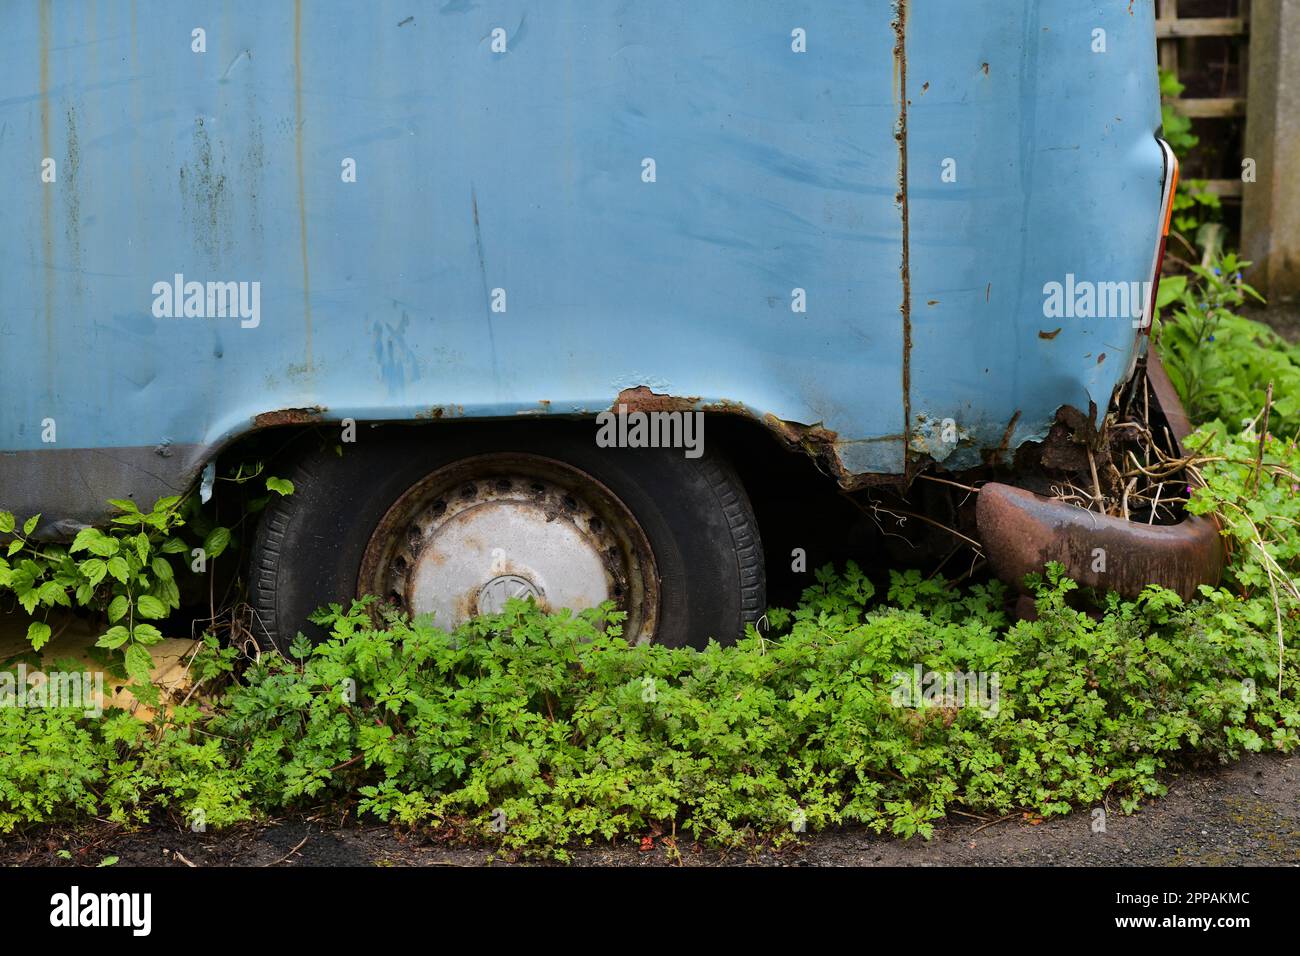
point(475, 532)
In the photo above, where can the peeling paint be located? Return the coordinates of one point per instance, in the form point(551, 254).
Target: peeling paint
point(927, 437)
point(642, 399)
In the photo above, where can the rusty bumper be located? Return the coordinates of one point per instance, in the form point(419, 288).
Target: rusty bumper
point(1022, 531)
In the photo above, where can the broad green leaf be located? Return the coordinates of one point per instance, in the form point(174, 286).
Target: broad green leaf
point(216, 541)
point(114, 638)
point(118, 567)
point(138, 663)
point(103, 545)
point(150, 608)
point(281, 486)
point(146, 634)
point(51, 593)
point(82, 541)
point(94, 569)
point(38, 633)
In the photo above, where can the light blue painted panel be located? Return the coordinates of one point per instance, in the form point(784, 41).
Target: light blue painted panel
point(522, 170)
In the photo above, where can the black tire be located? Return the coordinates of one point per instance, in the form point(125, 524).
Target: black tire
point(694, 513)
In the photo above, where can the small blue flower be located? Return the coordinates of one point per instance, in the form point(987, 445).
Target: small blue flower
point(1216, 271)
point(1211, 338)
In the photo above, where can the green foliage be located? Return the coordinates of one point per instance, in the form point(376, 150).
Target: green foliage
point(122, 572)
point(1221, 363)
point(1194, 205)
point(281, 486)
point(537, 731)
point(1252, 483)
point(1177, 129)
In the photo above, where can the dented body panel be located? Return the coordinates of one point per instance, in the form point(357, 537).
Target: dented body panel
point(517, 178)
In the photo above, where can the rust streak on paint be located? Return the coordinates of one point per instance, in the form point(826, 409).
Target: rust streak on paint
point(302, 191)
point(900, 67)
point(996, 456)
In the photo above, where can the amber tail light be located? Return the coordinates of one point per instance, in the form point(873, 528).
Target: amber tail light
point(1166, 215)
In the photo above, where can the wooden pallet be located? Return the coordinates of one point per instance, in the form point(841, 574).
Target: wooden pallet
point(1170, 29)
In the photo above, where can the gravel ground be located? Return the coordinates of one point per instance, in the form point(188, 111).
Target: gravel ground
point(1245, 814)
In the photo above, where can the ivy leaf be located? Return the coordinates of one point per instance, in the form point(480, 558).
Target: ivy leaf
point(117, 608)
point(30, 524)
point(6, 522)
